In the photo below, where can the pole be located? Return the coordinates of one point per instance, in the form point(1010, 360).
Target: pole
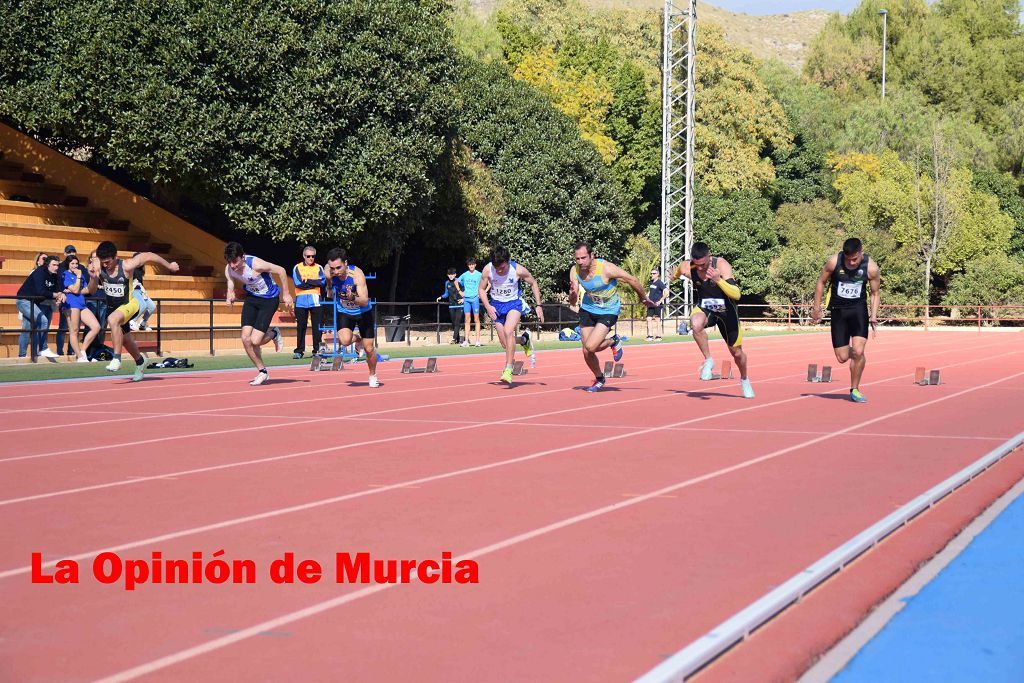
point(885, 31)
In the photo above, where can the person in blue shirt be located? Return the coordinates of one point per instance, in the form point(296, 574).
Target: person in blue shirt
point(470, 283)
point(355, 309)
point(74, 283)
point(308, 277)
point(453, 293)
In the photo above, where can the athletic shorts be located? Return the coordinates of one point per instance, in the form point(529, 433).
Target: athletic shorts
point(654, 311)
point(848, 322)
point(133, 309)
point(363, 322)
point(471, 304)
point(728, 324)
point(503, 308)
point(258, 312)
point(588, 319)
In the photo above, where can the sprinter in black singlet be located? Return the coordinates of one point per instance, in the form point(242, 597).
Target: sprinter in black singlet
point(124, 300)
point(848, 276)
point(715, 295)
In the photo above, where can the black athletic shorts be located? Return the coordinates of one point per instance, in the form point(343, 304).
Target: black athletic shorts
point(654, 311)
point(588, 319)
point(728, 324)
point(258, 312)
point(848, 322)
point(363, 322)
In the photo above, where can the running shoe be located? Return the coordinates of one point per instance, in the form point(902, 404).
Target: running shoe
point(748, 391)
point(707, 369)
point(464, 344)
point(47, 353)
point(595, 387)
point(278, 340)
point(374, 382)
point(617, 349)
point(530, 351)
point(261, 377)
point(649, 338)
point(114, 365)
point(140, 369)
point(857, 397)
point(82, 358)
point(134, 325)
point(479, 343)
point(297, 355)
point(506, 376)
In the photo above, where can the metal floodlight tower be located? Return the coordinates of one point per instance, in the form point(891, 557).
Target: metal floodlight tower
point(679, 46)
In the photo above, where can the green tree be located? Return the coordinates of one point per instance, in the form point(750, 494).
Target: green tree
point(741, 227)
point(1010, 194)
point(990, 281)
point(295, 118)
point(554, 188)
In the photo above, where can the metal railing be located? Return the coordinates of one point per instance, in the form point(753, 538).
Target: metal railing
point(399, 321)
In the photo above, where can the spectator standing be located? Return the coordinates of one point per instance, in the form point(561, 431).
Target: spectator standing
point(470, 284)
point(309, 278)
point(453, 293)
point(656, 292)
point(74, 282)
point(35, 304)
point(62, 321)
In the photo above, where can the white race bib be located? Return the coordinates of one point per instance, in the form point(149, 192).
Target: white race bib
point(850, 290)
point(257, 285)
point(715, 305)
point(505, 292)
point(114, 290)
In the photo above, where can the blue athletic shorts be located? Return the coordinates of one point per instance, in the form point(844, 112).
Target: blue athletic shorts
point(502, 308)
point(471, 304)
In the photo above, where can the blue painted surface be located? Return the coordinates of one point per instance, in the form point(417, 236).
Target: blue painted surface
point(966, 625)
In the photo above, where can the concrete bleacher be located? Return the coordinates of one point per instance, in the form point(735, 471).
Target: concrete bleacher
point(48, 201)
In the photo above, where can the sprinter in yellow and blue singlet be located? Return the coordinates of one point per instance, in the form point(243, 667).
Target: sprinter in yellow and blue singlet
point(599, 307)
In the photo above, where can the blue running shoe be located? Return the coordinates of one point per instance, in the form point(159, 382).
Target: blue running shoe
point(595, 387)
point(857, 397)
point(617, 348)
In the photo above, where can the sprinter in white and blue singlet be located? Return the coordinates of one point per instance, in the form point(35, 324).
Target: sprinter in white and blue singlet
point(848, 275)
point(262, 296)
point(355, 310)
point(600, 305)
point(715, 295)
point(500, 297)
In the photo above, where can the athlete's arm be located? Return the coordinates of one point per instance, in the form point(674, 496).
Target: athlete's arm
point(680, 271)
point(362, 292)
point(145, 257)
point(725, 279)
point(229, 298)
point(526, 276)
point(819, 287)
point(94, 276)
point(485, 279)
point(613, 272)
point(261, 266)
point(875, 282)
point(574, 287)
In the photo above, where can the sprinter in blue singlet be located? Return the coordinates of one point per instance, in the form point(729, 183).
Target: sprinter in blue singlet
point(599, 308)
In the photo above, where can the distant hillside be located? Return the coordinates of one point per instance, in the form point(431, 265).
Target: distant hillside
point(784, 37)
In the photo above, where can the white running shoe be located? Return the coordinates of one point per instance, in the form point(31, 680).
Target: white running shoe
point(134, 325)
point(707, 369)
point(261, 377)
point(47, 353)
point(139, 372)
point(479, 343)
point(748, 391)
point(465, 343)
point(114, 365)
point(374, 382)
point(82, 358)
point(278, 340)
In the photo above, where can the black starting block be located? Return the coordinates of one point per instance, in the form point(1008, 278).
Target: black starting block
point(813, 376)
point(614, 369)
point(518, 369)
point(326, 363)
point(924, 378)
point(409, 366)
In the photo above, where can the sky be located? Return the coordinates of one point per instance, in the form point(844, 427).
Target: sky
point(783, 6)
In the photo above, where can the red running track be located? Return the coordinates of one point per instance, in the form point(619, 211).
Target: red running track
point(610, 530)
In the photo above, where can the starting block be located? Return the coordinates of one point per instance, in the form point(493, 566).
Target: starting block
point(813, 376)
point(518, 369)
point(726, 371)
point(326, 363)
point(614, 369)
point(409, 366)
point(921, 379)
